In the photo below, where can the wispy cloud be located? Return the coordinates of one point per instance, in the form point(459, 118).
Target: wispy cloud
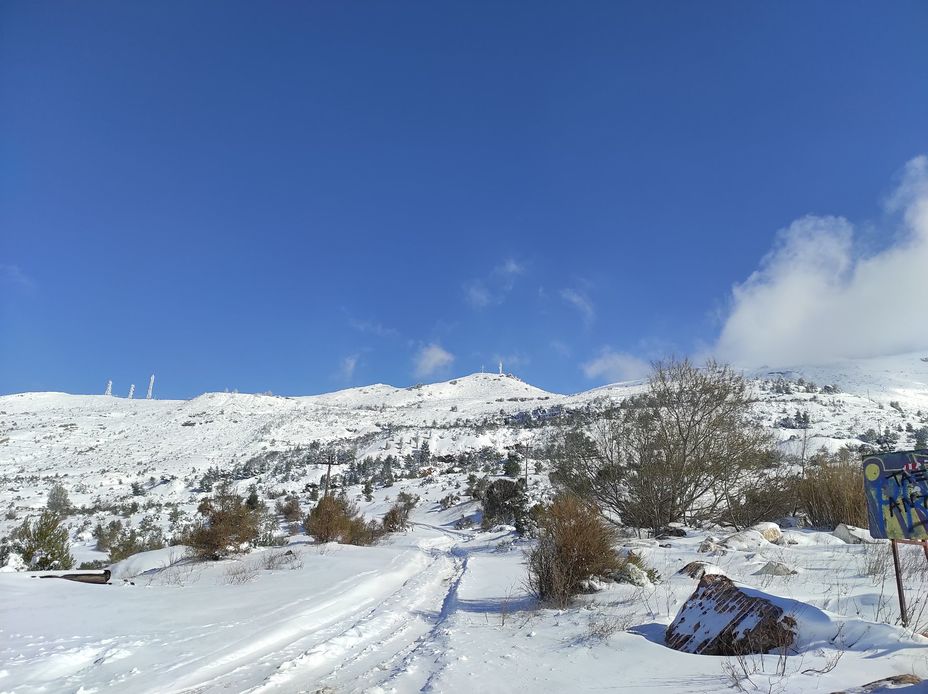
point(581, 303)
point(347, 366)
point(478, 294)
point(512, 360)
point(13, 276)
point(493, 288)
point(816, 297)
point(431, 359)
point(612, 367)
point(372, 328)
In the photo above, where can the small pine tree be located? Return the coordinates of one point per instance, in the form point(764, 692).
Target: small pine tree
point(387, 473)
point(252, 501)
point(513, 465)
point(368, 490)
point(43, 543)
point(921, 437)
point(334, 519)
point(227, 526)
point(58, 501)
point(505, 502)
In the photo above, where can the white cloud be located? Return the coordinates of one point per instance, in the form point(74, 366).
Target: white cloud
point(493, 288)
point(347, 367)
point(582, 303)
point(510, 268)
point(478, 295)
point(431, 359)
point(14, 276)
point(372, 328)
point(612, 367)
point(816, 298)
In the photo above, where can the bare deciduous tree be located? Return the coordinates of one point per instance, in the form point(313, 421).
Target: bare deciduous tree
point(682, 450)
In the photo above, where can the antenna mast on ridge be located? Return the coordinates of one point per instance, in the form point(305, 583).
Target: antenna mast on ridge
point(151, 387)
point(109, 388)
point(131, 391)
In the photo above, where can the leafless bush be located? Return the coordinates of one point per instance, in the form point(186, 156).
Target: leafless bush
point(273, 561)
point(761, 495)
point(763, 673)
point(240, 573)
point(601, 626)
point(177, 573)
point(681, 451)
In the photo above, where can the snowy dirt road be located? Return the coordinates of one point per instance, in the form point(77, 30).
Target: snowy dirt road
point(430, 610)
point(349, 619)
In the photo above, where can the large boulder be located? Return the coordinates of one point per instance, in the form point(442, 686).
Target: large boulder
point(722, 619)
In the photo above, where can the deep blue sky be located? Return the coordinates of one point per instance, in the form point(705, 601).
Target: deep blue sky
point(246, 195)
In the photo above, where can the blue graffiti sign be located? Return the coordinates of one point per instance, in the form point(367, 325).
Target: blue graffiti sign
point(896, 485)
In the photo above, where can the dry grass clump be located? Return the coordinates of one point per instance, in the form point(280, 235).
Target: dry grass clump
point(831, 491)
point(574, 544)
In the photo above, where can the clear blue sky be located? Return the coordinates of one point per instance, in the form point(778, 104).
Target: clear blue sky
point(304, 196)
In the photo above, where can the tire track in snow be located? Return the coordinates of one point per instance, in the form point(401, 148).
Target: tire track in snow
point(280, 630)
point(353, 650)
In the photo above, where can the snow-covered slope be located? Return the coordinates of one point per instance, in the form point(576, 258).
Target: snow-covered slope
point(101, 444)
point(442, 607)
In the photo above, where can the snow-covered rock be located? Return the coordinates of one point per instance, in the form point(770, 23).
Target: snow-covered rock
point(722, 619)
point(698, 569)
point(14, 562)
point(775, 568)
point(853, 535)
point(770, 531)
point(143, 562)
point(799, 538)
point(745, 541)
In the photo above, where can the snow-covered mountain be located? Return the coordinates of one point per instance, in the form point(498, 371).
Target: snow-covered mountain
point(101, 444)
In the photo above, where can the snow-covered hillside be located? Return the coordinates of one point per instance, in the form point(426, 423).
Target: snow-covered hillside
point(98, 445)
point(443, 607)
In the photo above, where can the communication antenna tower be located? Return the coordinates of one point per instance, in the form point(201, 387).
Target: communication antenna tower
point(131, 391)
point(501, 367)
point(109, 388)
point(151, 386)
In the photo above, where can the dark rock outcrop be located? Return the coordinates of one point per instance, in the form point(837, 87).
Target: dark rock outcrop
point(722, 619)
